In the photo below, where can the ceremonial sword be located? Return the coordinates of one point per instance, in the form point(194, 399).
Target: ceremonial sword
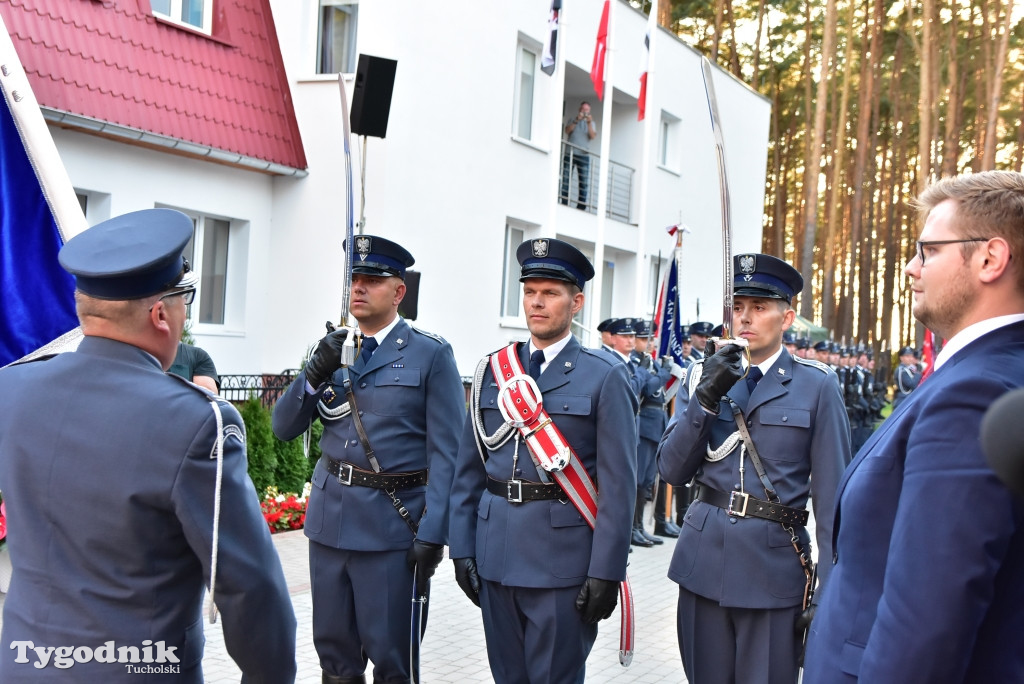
point(723, 186)
point(353, 341)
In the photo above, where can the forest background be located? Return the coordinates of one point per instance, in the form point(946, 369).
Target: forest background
point(871, 101)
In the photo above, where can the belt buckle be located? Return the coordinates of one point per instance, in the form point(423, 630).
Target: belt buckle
point(742, 497)
point(341, 474)
point(515, 491)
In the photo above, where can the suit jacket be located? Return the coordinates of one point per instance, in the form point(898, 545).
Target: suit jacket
point(929, 543)
point(108, 474)
point(547, 543)
point(798, 422)
point(412, 402)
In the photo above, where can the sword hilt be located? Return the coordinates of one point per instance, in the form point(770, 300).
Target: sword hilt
point(352, 345)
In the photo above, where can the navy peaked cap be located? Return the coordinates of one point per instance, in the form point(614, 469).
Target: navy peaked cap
point(789, 337)
point(701, 328)
point(823, 345)
point(622, 326)
point(642, 327)
point(603, 325)
point(554, 259)
point(908, 350)
point(762, 275)
point(373, 255)
point(131, 256)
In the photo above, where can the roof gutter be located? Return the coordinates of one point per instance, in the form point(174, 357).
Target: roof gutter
point(155, 140)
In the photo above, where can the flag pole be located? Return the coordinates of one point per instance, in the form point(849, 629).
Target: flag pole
point(597, 283)
point(642, 236)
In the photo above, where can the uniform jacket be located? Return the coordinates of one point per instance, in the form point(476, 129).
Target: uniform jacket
point(929, 544)
point(907, 378)
point(108, 475)
point(798, 423)
point(653, 419)
point(547, 543)
point(412, 402)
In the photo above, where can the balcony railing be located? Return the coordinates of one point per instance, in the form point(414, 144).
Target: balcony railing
point(579, 182)
point(266, 387)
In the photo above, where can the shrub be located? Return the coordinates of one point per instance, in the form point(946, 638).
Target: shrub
point(260, 444)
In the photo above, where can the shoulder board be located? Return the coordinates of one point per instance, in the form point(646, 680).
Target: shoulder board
point(436, 338)
point(601, 354)
point(202, 391)
point(813, 364)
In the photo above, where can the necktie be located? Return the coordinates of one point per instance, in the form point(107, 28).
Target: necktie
point(536, 359)
point(369, 344)
point(752, 377)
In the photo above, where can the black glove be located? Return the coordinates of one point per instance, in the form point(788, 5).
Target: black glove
point(666, 361)
point(721, 371)
point(425, 557)
point(597, 599)
point(645, 360)
point(326, 359)
point(467, 578)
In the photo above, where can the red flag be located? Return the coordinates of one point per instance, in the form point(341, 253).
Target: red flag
point(672, 230)
point(641, 103)
point(600, 52)
point(928, 354)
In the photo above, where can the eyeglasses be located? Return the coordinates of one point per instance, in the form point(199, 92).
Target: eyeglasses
point(921, 244)
point(187, 295)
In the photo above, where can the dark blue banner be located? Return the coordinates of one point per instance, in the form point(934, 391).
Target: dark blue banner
point(670, 327)
point(36, 295)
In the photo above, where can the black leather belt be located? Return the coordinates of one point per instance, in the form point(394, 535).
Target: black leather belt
point(742, 505)
point(349, 474)
point(519, 491)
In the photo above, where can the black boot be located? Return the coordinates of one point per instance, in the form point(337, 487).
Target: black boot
point(638, 537)
point(641, 502)
point(662, 526)
point(335, 679)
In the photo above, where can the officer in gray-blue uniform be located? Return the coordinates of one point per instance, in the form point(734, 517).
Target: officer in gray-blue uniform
point(541, 576)
point(699, 333)
point(114, 474)
point(407, 396)
point(741, 582)
point(651, 378)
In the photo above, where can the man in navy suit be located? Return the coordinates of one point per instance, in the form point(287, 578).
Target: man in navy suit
point(127, 489)
point(741, 581)
point(407, 394)
point(929, 544)
point(541, 576)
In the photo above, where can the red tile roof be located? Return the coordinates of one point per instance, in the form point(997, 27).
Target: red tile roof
point(112, 60)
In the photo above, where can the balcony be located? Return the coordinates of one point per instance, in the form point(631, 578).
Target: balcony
point(579, 183)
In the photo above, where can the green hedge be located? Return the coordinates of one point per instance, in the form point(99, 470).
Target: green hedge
point(273, 463)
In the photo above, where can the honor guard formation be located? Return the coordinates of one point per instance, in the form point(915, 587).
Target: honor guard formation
point(538, 476)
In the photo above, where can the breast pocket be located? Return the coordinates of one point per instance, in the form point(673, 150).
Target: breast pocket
point(396, 391)
point(777, 426)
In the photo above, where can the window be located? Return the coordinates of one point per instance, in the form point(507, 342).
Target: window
point(195, 13)
point(210, 261)
point(526, 72)
point(336, 50)
point(511, 290)
point(668, 141)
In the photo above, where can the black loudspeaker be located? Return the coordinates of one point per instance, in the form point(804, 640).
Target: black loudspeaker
point(408, 308)
point(371, 98)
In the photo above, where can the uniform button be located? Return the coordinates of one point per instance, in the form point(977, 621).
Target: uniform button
point(750, 423)
point(396, 378)
point(732, 520)
point(736, 486)
point(362, 385)
point(360, 413)
point(785, 419)
point(491, 402)
point(835, 557)
point(565, 407)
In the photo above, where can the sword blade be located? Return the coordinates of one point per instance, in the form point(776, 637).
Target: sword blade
point(723, 185)
point(415, 630)
point(346, 291)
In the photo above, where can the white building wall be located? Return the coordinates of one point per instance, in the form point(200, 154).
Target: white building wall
point(450, 174)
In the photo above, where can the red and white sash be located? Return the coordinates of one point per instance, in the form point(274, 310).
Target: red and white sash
point(521, 404)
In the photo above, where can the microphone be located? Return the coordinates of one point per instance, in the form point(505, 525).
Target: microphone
point(1002, 439)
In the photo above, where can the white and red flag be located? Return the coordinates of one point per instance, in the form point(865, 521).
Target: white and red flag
point(600, 53)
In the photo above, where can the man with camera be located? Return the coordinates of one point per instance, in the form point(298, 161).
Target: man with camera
point(578, 134)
